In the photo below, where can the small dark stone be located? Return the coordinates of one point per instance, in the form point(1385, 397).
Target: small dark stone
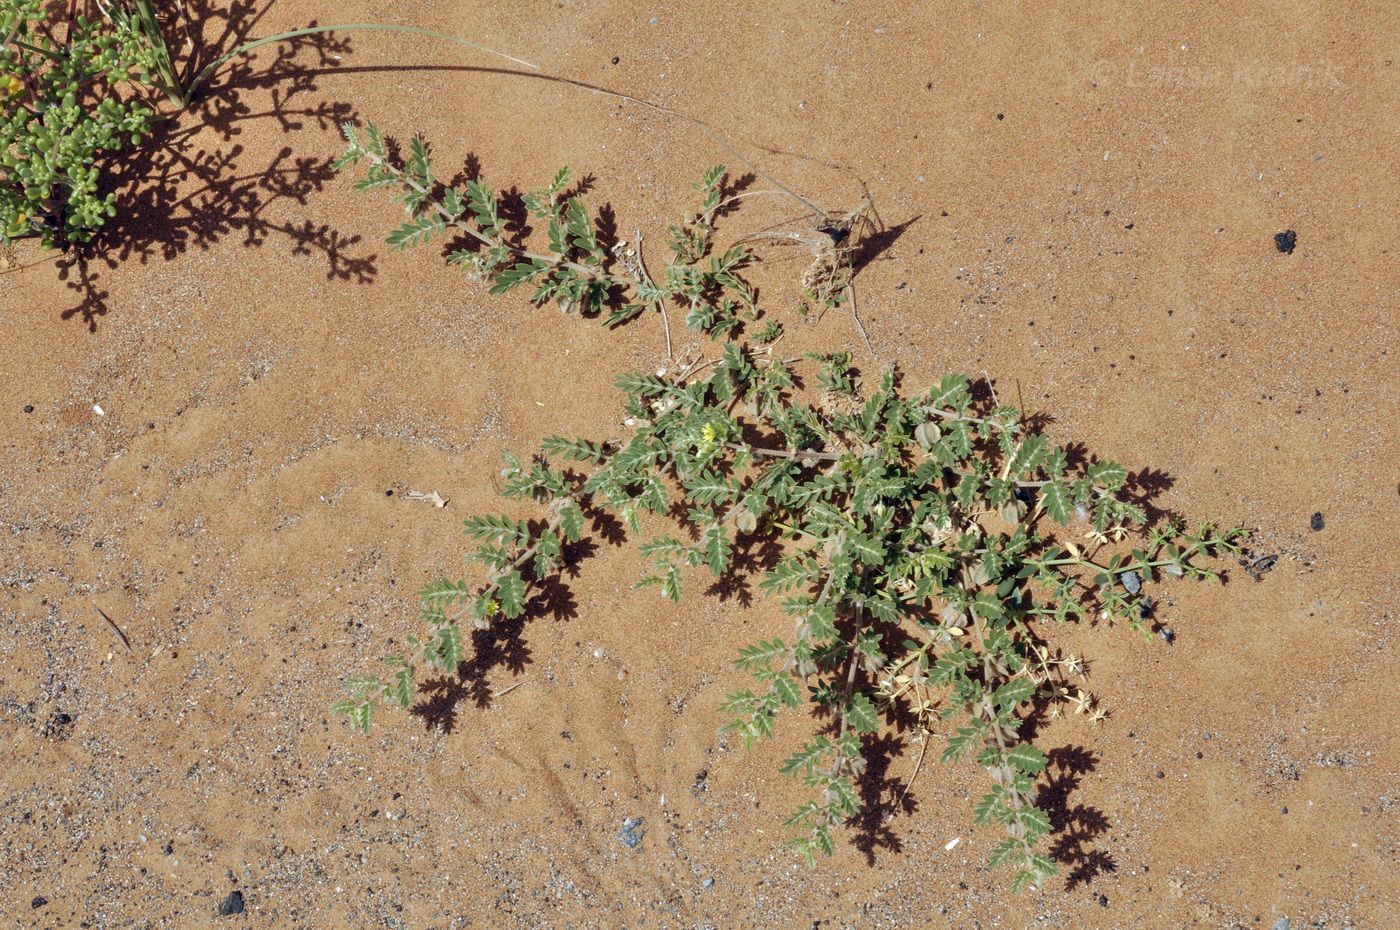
point(28, 408)
point(1161, 774)
point(1167, 633)
point(1200, 755)
point(389, 493)
point(1283, 810)
point(231, 905)
point(616, 59)
point(1317, 522)
point(170, 849)
point(1001, 116)
point(38, 902)
point(1103, 900)
point(1286, 241)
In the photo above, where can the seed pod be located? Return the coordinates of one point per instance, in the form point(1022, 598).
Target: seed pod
point(926, 434)
point(746, 522)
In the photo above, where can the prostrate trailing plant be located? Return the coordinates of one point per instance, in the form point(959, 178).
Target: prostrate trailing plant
point(574, 270)
point(74, 87)
point(925, 535)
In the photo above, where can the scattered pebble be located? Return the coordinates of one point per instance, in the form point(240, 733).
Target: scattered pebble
point(97, 409)
point(1168, 634)
point(1317, 523)
point(702, 783)
point(631, 833)
point(38, 902)
point(1131, 582)
point(952, 843)
point(1103, 900)
point(707, 884)
point(1255, 565)
point(231, 905)
point(28, 408)
point(1281, 924)
point(1286, 241)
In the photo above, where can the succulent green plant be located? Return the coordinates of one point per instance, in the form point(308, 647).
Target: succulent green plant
point(74, 89)
point(930, 541)
point(69, 93)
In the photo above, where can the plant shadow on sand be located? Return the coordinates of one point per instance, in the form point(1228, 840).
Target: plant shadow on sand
point(177, 191)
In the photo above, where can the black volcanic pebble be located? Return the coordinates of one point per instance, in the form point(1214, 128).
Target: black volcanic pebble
point(231, 905)
point(1317, 523)
point(1286, 241)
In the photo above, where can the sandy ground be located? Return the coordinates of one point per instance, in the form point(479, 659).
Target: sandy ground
point(1079, 203)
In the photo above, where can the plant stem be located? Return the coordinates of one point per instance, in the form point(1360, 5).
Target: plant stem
point(150, 28)
point(660, 305)
point(800, 454)
point(247, 47)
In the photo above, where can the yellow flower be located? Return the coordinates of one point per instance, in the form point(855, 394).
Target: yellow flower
point(14, 87)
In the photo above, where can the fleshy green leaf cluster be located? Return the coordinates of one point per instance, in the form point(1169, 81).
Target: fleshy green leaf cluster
point(70, 93)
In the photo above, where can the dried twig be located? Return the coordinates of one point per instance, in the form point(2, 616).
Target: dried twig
point(115, 629)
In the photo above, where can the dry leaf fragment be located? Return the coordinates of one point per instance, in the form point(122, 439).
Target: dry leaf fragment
point(435, 498)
